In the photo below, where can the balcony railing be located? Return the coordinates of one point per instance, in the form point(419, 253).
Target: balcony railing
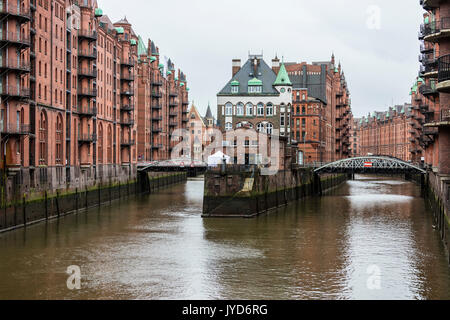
point(127, 122)
point(87, 53)
point(15, 129)
point(156, 129)
point(86, 137)
point(127, 62)
point(14, 91)
point(127, 107)
point(86, 110)
point(126, 142)
point(87, 72)
point(127, 77)
point(427, 89)
point(15, 10)
point(435, 27)
point(87, 34)
point(15, 37)
point(444, 68)
point(13, 64)
point(87, 92)
point(445, 114)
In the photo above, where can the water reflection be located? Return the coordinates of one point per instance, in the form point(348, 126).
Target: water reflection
point(158, 247)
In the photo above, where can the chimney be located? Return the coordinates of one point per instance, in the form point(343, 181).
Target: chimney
point(236, 66)
point(276, 65)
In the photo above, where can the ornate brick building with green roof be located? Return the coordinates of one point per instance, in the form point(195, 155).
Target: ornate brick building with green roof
point(257, 96)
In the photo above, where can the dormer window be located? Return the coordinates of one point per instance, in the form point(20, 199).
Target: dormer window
point(255, 86)
point(235, 86)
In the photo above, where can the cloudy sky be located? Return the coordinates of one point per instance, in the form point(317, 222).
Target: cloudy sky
point(378, 52)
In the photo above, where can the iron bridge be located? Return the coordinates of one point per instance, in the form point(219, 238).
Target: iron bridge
point(370, 164)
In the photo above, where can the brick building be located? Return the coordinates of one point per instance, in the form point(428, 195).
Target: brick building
point(163, 103)
point(256, 96)
point(434, 94)
point(321, 110)
point(385, 133)
point(69, 96)
point(200, 130)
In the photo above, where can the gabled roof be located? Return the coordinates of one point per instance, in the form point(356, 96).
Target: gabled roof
point(282, 77)
point(264, 73)
point(123, 21)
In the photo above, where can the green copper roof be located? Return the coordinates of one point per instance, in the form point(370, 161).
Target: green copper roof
point(403, 110)
point(255, 82)
point(98, 12)
point(187, 89)
point(234, 83)
point(387, 114)
point(176, 78)
point(336, 70)
point(282, 77)
point(182, 84)
point(142, 49)
point(160, 66)
point(120, 30)
point(169, 73)
point(133, 42)
point(420, 80)
point(152, 58)
point(427, 20)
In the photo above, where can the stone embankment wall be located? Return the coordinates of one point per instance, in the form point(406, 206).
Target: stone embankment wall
point(235, 192)
point(43, 206)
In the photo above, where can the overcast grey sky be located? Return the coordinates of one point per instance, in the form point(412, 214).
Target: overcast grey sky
point(203, 36)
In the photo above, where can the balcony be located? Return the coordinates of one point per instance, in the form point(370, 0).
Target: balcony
point(86, 138)
point(173, 104)
point(127, 91)
point(15, 38)
point(157, 146)
point(429, 4)
point(90, 35)
point(20, 14)
point(444, 74)
point(156, 107)
point(156, 119)
point(127, 122)
point(15, 92)
point(127, 107)
point(87, 54)
point(445, 115)
point(156, 94)
point(185, 103)
point(173, 124)
point(87, 73)
point(173, 94)
point(156, 129)
point(14, 65)
point(433, 131)
point(14, 129)
point(87, 92)
point(426, 48)
point(127, 77)
point(86, 111)
point(428, 89)
point(157, 83)
point(126, 142)
point(173, 114)
point(436, 30)
point(127, 62)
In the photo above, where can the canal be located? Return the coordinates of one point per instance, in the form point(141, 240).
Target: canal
point(371, 238)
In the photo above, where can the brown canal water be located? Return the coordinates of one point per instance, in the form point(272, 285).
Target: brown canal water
point(372, 238)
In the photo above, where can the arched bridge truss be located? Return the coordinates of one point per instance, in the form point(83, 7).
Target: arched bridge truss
point(370, 164)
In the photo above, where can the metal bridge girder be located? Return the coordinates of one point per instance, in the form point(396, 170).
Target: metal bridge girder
point(376, 162)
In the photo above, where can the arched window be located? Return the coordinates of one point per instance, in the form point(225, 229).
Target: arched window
point(269, 128)
point(260, 127)
point(100, 143)
point(43, 136)
point(240, 109)
point(228, 126)
point(59, 139)
point(228, 109)
point(260, 110)
point(269, 110)
point(109, 147)
point(249, 109)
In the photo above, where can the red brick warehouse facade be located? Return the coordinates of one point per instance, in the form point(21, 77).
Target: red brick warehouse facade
point(69, 96)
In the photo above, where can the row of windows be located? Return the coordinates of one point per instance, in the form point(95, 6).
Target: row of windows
point(249, 109)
